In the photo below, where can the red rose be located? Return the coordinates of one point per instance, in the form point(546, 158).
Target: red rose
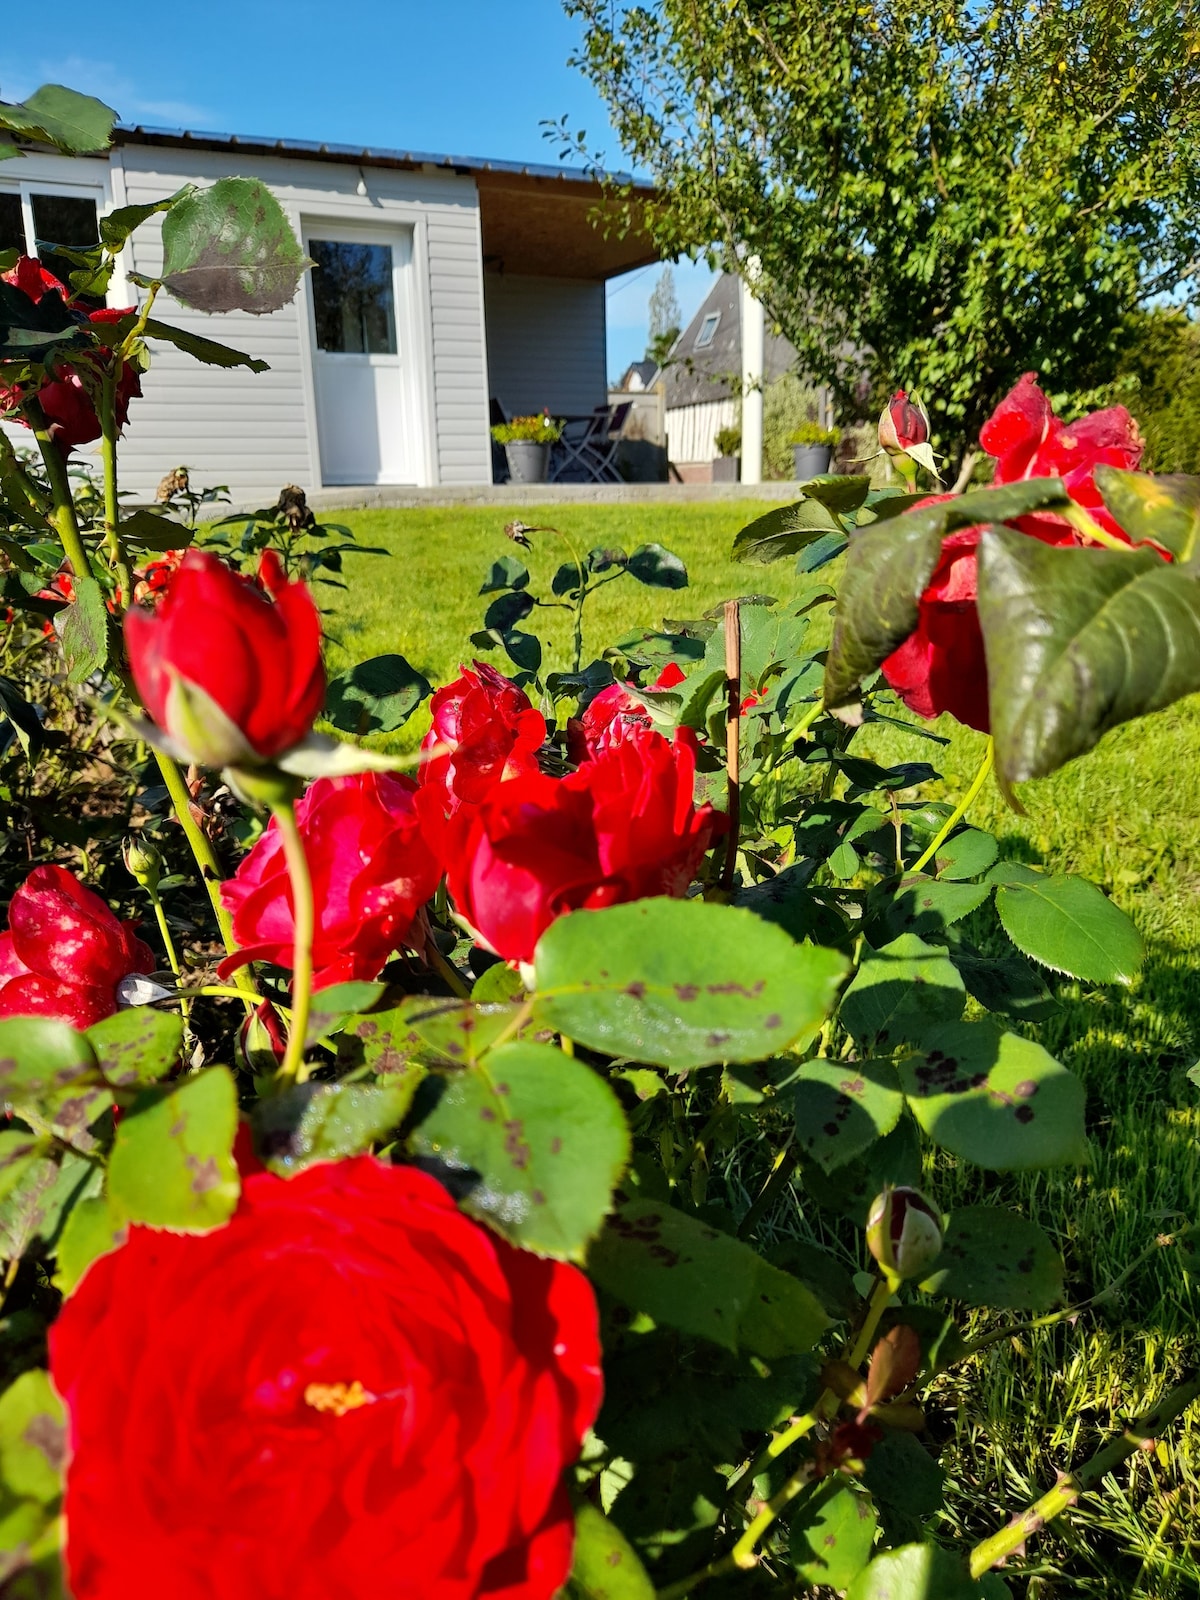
point(349, 1390)
point(65, 953)
point(487, 731)
point(372, 871)
point(904, 423)
point(612, 713)
point(622, 827)
point(66, 402)
point(232, 677)
point(1028, 441)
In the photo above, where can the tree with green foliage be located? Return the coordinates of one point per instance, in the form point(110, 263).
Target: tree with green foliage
point(666, 319)
point(941, 195)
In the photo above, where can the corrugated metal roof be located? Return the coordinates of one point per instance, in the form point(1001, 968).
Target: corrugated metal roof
point(362, 155)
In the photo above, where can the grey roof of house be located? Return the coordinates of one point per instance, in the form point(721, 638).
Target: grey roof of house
point(646, 371)
point(693, 376)
point(362, 155)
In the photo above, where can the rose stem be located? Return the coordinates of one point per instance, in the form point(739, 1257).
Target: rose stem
point(66, 523)
point(1135, 1436)
point(304, 924)
point(960, 810)
point(733, 681)
point(112, 504)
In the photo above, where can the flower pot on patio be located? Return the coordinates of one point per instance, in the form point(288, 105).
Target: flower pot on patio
point(811, 460)
point(527, 462)
point(727, 469)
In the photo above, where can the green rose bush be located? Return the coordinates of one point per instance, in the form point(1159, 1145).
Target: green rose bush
point(381, 1239)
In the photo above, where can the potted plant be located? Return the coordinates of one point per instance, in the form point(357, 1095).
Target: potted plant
point(812, 449)
point(727, 468)
point(527, 442)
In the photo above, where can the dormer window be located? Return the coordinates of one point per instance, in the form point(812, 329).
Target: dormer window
point(708, 330)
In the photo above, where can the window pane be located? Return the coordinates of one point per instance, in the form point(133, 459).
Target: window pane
point(352, 293)
point(12, 224)
point(66, 220)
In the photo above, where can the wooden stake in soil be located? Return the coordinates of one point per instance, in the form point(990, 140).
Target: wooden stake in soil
point(733, 770)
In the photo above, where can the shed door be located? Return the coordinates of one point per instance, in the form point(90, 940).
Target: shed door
point(359, 295)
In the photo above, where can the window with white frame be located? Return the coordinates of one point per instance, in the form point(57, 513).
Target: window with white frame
point(708, 330)
point(34, 218)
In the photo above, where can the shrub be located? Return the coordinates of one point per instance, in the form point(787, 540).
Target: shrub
point(812, 433)
point(728, 441)
point(541, 428)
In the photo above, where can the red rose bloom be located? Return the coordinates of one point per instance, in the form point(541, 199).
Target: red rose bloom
point(64, 399)
point(611, 714)
point(349, 1390)
point(941, 665)
point(1028, 441)
point(65, 953)
point(487, 731)
point(624, 826)
point(232, 677)
point(372, 871)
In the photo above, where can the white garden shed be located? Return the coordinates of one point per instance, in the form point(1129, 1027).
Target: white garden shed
point(442, 289)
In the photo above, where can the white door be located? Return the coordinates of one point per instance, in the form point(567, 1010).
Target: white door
point(361, 370)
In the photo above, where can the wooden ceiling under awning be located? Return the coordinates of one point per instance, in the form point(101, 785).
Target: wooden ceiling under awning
point(543, 227)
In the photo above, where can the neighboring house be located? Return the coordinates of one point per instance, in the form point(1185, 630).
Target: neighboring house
point(441, 286)
point(638, 376)
point(703, 375)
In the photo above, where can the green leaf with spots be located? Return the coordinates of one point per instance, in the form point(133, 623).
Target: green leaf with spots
point(508, 573)
point(230, 247)
point(547, 1138)
point(458, 1031)
point(965, 854)
point(681, 983)
point(1161, 506)
point(1079, 640)
point(138, 1045)
point(900, 992)
point(903, 1476)
point(1067, 924)
point(889, 565)
point(91, 1230)
point(206, 351)
point(33, 1450)
point(326, 1121)
point(333, 1007)
point(784, 531)
point(687, 1275)
point(1009, 986)
point(995, 1098)
point(605, 1565)
point(33, 1209)
point(49, 1076)
point(83, 629)
point(658, 567)
point(841, 1108)
point(172, 1160)
point(923, 906)
point(923, 1572)
point(832, 1531)
point(376, 696)
point(993, 1257)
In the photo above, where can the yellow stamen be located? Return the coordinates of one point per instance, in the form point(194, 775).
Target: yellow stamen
point(337, 1397)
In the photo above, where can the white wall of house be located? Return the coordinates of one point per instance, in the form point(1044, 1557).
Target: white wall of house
point(546, 344)
point(256, 432)
point(692, 430)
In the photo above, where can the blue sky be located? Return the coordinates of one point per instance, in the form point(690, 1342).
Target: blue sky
point(463, 77)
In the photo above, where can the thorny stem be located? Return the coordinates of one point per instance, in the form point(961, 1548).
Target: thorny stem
point(960, 810)
point(160, 916)
point(62, 514)
point(303, 927)
point(1139, 1435)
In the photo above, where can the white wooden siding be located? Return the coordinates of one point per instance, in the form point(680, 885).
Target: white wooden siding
point(546, 344)
point(692, 430)
point(256, 432)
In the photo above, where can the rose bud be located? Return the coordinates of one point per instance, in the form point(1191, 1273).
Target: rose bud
point(904, 423)
point(229, 669)
point(143, 861)
point(904, 1233)
point(261, 1041)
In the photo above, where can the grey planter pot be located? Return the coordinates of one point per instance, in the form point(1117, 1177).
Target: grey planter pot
point(727, 469)
point(527, 462)
point(811, 460)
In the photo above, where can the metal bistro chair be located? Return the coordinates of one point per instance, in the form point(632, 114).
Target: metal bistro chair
point(586, 451)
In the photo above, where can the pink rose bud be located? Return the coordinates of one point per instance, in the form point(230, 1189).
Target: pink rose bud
point(904, 1232)
point(904, 423)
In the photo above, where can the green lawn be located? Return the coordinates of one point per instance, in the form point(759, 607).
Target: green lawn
point(1128, 817)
